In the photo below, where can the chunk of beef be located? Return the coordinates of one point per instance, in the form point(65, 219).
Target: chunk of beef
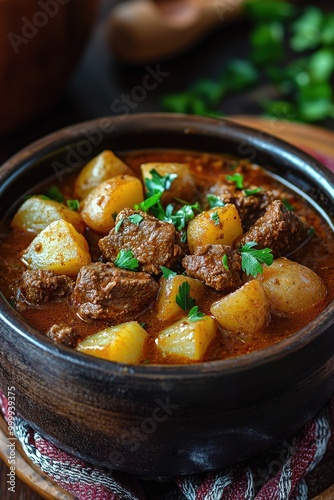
point(250, 208)
point(279, 229)
point(153, 242)
point(40, 287)
point(207, 265)
point(103, 291)
point(63, 334)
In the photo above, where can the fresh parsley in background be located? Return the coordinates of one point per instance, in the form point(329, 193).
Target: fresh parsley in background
point(291, 53)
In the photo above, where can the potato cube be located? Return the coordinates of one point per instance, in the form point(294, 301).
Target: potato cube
point(167, 307)
point(218, 226)
point(101, 168)
point(123, 343)
point(245, 311)
point(109, 198)
point(58, 248)
point(183, 187)
point(291, 287)
point(186, 338)
point(36, 213)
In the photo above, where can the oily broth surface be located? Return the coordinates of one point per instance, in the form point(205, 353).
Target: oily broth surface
point(208, 169)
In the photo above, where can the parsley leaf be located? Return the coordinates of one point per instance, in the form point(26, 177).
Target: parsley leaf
point(73, 204)
point(214, 201)
point(126, 260)
point(238, 179)
point(195, 314)
point(54, 194)
point(135, 219)
point(215, 218)
point(251, 258)
point(167, 273)
point(252, 192)
point(182, 216)
point(225, 262)
point(183, 298)
point(118, 225)
point(148, 203)
point(287, 204)
point(159, 183)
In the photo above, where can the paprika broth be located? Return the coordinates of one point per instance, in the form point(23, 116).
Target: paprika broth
point(170, 257)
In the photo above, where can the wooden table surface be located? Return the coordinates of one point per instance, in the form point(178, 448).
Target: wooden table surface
point(99, 80)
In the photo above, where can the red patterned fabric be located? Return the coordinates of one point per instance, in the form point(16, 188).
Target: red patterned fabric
point(278, 474)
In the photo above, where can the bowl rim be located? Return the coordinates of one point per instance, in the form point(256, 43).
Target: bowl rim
point(262, 141)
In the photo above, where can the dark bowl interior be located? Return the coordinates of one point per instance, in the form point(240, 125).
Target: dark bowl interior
point(166, 420)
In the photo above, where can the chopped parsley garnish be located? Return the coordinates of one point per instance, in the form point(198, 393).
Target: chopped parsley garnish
point(182, 216)
point(143, 325)
point(73, 204)
point(126, 260)
point(252, 192)
point(288, 205)
point(118, 225)
point(251, 258)
point(215, 218)
point(183, 298)
point(167, 273)
point(214, 201)
point(149, 202)
point(159, 183)
point(311, 231)
point(114, 215)
point(183, 238)
point(135, 219)
point(54, 194)
point(238, 179)
point(195, 314)
point(225, 262)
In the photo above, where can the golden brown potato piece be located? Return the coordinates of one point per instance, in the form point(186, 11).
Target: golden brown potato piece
point(99, 207)
point(291, 287)
point(167, 307)
point(58, 248)
point(244, 311)
point(101, 168)
point(218, 226)
point(123, 343)
point(36, 213)
point(186, 338)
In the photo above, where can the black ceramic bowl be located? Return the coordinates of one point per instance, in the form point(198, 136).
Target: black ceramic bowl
point(165, 420)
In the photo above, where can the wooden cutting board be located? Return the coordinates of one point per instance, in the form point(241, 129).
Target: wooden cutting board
point(301, 135)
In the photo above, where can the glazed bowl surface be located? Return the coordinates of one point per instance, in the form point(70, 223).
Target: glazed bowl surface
point(165, 420)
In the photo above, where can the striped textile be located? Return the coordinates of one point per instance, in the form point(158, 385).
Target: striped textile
point(278, 474)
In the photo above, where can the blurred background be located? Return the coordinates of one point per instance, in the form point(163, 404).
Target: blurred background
point(64, 61)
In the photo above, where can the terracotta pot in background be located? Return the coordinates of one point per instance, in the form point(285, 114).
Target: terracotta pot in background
point(40, 40)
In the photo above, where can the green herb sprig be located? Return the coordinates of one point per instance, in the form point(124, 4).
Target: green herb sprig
point(126, 260)
point(251, 258)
